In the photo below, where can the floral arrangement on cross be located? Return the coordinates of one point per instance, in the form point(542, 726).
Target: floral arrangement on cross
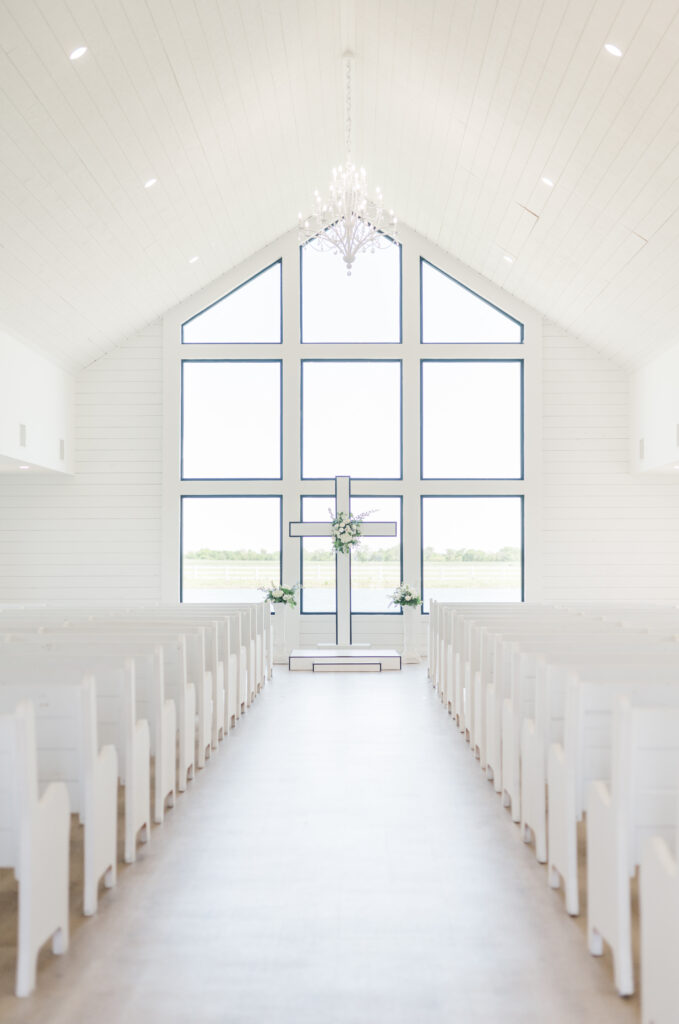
point(346, 530)
point(405, 597)
point(277, 593)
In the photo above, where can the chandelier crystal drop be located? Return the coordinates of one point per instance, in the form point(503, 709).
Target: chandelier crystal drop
point(348, 222)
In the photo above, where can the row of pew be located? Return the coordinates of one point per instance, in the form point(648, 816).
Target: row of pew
point(573, 713)
point(137, 697)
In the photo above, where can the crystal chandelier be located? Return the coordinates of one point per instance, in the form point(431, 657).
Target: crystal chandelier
point(348, 222)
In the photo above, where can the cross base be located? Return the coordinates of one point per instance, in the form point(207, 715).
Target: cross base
point(344, 659)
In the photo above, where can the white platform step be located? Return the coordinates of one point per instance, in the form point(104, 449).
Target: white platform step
point(344, 659)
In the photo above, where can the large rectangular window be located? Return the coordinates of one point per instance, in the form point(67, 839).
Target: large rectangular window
point(472, 414)
point(361, 307)
point(351, 418)
point(230, 547)
point(231, 419)
point(375, 564)
point(472, 549)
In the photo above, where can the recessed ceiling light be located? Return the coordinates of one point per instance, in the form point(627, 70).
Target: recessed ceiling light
point(548, 182)
point(150, 183)
point(510, 259)
point(24, 467)
point(613, 49)
point(194, 259)
point(77, 53)
point(675, 466)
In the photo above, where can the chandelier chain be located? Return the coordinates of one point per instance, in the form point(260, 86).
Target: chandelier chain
point(348, 68)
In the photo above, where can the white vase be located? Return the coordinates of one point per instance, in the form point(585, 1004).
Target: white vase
point(411, 623)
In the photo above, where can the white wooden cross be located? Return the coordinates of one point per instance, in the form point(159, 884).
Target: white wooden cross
point(342, 562)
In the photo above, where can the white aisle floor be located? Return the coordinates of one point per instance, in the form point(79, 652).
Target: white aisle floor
point(341, 860)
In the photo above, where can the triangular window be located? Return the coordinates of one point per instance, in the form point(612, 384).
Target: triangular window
point(452, 314)
point(249, 315)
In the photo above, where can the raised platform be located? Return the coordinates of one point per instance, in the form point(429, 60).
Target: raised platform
point(344, 659)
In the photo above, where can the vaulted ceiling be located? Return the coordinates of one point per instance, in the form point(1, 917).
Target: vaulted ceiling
point(461, 107)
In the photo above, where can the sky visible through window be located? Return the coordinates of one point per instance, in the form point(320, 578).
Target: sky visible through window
point(364, 307)
point(248, 315)
point(351, 417)
point(471, 420)
point(232, 420)
point(452, 314)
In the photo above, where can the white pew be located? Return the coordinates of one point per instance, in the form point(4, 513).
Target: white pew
point(175, 675)
point(641, 801)
point(213, 626)
point(471, 660)
point(68, 751)
point(34, 841)
point(659, 913)
point(480, 641)
point(152, 703)
point(252, 655)
point(497, 688)
point(585, 756)
point(117, 720)
point(196, 673)
point(520, 659)
point(629, 663)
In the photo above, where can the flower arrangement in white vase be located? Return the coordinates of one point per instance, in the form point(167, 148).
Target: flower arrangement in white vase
point(283, 600)
point(277, 593)
point(408, 600)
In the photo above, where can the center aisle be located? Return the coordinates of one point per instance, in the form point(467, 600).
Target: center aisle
point(343, 860)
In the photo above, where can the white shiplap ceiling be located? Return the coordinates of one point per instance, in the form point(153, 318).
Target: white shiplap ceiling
point(235, 106)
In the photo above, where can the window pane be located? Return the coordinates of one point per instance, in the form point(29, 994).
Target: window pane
point(363, 307)
point(376, 564)
point(471, 420)
point(232, 420)
point(471, 549)
point(452, 314)
point(318, 558)
point(230, 547)
point(251, 314)
point(351, 419)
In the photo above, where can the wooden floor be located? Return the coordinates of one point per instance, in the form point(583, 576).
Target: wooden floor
point(341, 860)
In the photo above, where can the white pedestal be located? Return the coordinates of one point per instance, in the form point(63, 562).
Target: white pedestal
point(411, 623)
point(284, 627)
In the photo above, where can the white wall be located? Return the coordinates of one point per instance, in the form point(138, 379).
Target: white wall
point(37, 396)
point(655, 414)
point(95, 536)
point(606, 533)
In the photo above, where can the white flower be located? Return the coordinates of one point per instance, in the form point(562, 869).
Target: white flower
point(278, 592)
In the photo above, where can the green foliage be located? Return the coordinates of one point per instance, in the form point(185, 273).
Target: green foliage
point(324, 555)
point(234, 556)
point(363, 554)
point(472, 555)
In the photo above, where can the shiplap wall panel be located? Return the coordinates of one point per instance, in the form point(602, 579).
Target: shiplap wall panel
point(95, 536)
point(606, 534)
